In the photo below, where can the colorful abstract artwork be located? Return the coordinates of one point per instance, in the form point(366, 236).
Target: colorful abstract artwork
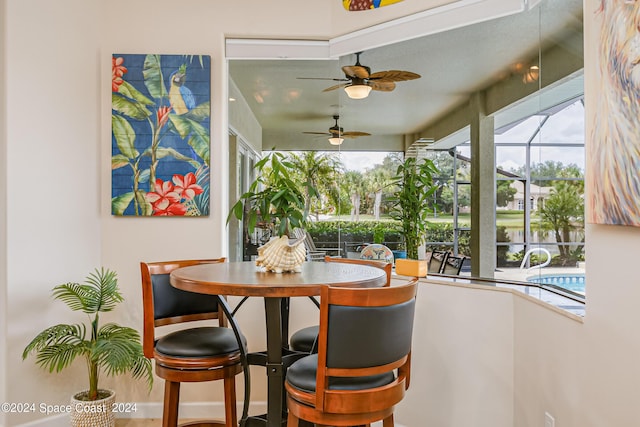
point(613, 152)
point(367, 4)
point(160, 127)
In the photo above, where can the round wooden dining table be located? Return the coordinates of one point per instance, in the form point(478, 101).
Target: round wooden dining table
point(248, 280)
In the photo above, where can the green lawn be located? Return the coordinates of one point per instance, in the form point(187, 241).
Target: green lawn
point(508, 219)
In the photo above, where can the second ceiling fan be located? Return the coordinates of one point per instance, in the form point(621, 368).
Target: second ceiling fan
point(336, 133)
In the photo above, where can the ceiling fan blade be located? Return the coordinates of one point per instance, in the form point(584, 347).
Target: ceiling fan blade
point(382, 85)
point(336, 87)
point(316, 133)
point(354, 134)
point(356, 71)
point(323, 78)
point(394, 76)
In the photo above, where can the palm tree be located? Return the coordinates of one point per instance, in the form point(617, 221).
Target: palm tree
point(112, 348)
point(353, 186)
point(563, 212)
point(320, 170)
point(377, 180)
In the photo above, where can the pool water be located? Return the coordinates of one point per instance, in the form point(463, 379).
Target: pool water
point(571, 282)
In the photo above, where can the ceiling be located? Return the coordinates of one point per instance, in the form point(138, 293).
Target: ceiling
point(453, 64)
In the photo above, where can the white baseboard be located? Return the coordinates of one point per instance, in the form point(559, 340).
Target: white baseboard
point(213, 410)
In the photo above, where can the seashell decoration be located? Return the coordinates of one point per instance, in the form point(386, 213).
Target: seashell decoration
point(279, 255)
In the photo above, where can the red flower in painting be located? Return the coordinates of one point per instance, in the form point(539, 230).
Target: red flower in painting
point(117, 71)
point(162, 115)
point(186, 186)
point(165, 200)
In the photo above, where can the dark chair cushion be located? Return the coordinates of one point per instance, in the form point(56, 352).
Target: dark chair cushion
point(305, 339)
point(199, 342)
point(302, 375)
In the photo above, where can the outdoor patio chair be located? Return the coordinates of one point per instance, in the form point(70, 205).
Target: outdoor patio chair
point(452, 265)
point(437, 261)
point(313, 253)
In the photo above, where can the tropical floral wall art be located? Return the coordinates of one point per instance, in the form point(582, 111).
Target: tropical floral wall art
point(160, 122)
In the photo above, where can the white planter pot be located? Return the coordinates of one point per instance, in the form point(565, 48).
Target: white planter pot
point(93, 413)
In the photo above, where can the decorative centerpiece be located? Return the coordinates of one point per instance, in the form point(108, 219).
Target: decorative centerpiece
point(274, 198)
point(415, 182)
point(279, 255)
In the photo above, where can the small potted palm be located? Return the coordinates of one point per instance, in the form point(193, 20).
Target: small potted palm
point(415, 182)
point(110, 349)
point(277, 200)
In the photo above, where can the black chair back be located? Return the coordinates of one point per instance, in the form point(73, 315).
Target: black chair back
point(453, 265)
point(369, 336)
point(170, 302)
point(438, 259)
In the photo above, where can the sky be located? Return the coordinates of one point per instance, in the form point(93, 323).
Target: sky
point(565, 127)
point(361, 160)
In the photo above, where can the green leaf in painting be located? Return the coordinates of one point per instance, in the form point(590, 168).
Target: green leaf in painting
point(121, 202)
point(152, 74)
point(128, 108)
point(163, 152)
point(144, 176)
point(199, 141)
point(125, 136)
point(202, 199)
point(126, 89)
point(200, 112)
point(119, 161)
point(145, 207)
point(182, 125)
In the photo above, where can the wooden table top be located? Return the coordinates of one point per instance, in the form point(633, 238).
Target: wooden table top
point(246, 279)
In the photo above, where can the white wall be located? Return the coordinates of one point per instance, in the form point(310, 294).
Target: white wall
point(3, 217)
point(59, 227)
point(462, 359)
point(53, 192)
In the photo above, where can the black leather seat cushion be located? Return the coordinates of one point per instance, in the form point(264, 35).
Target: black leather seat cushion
point(198, 342)
point(304, 339)
point(302, 375)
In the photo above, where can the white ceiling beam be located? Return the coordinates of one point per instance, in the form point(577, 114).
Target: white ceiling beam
point(453, 15)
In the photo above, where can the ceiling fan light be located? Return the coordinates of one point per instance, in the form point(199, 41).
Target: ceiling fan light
point(336, 140)
point(357, 91)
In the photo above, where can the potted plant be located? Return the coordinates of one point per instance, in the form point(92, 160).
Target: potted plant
point(276, 199)
point(415, 182)
point(109, 348)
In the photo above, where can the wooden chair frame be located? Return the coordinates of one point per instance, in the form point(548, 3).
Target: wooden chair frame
point(176, 370)
point(386, 266)
point(335, 407)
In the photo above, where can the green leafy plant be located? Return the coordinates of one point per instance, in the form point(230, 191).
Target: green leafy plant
point(415, 183)
point(274, 198)
point(110, 348)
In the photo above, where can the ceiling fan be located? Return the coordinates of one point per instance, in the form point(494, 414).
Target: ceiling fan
point(359, 80)
point(337, 135)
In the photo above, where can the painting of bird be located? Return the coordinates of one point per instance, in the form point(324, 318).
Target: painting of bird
point(180, 97)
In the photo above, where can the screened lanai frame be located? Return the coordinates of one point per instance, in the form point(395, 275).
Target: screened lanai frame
point(555, 134)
